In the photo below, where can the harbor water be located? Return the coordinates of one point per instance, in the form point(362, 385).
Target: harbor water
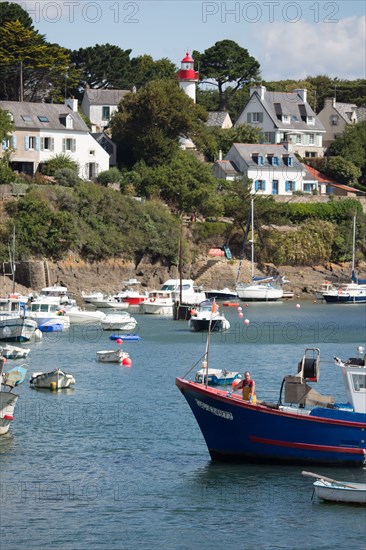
point(118, 462)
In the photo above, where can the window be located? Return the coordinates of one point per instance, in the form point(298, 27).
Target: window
point(260, 185)
point(288, 161)
point(334, 120)
point(106, 113)
point(298, 139)
point(311, 139)
point(254, 117)
point(359, 382)
point(43, 118)
point(269, 137)
point(92, 153)
point(290, 185)
point(69, 144)
point(275, 161)
point(274, 187)
point(260, 160)
point(69, 121)
point(311, 120)
point(47, 144)
point(286, 119)
point(27, 118)
point(31, 143)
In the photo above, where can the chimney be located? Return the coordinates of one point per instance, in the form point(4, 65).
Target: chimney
point(302, 92)
point(220, 154)
point(330, 101)
point(72, 103)
point(261, 90)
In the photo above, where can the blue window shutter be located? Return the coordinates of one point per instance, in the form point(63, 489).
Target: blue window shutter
point(249, 117)
point(290, 161)
point(263, 185)
point(37, 143)
point(26, 143)
point(287, 185)
point(256, 185)
point(293, 186)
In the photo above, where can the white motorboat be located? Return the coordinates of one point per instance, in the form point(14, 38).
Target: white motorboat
point(17, 328)
point(260, 289)
point(46, 311)
point(79, 316)
point(333, 490)
point(109, 302)
point(53, 380)
point(8, 399)
point(119, 321)
point(208, 318)
point(112, 356)
point(184, 291)
point(92, 296)
point(159, 302)
point(13, 352)
point(223, 294)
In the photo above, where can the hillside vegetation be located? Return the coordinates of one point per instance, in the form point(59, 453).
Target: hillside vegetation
point(96, 223)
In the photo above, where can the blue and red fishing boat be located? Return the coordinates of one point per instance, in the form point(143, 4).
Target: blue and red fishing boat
point(302, 427)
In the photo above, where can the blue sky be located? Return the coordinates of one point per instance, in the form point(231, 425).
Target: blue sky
point(289, 39)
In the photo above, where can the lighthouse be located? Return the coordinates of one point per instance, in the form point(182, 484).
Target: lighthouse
point(188, 77)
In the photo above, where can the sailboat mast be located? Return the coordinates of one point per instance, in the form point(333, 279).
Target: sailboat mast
point(252, 217)
point(353, 245)
point(13, 261)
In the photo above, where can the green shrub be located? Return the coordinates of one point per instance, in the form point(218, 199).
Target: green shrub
point(58, 162)
point(66, 177)
point(113, 175)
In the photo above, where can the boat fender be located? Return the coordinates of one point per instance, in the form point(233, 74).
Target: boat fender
point(152, 299)
point(340, 291)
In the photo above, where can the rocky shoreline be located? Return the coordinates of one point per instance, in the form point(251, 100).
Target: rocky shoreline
point(109, 276)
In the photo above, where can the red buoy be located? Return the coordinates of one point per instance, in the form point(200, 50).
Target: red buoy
point(119, 341)
point(126, 362)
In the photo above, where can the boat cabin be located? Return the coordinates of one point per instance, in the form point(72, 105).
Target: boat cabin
point(354, 376)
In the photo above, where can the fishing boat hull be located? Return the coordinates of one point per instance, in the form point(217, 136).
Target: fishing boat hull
point(7, 405)
point(111, 356)
point(353, 493)
point(17, 329)
point(53, 380)
point(119, 322)
point(197, 324)
point(354, 294)
point(216, 377)
point(13, 352)
point(235, 430)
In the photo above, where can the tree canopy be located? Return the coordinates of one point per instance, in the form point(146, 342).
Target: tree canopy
point(148, 124)
point(36, 68)
point(102, 66)
point(351, 145)
point(224, 63)
point(9, 11)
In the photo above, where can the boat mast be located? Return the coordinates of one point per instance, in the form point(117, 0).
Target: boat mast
point(353, 245)
point(252, 239)
point(180, 258)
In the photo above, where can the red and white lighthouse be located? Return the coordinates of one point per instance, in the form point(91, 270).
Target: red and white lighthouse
point(188, 77)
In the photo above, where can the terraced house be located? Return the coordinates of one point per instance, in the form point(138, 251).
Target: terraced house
point(43, 130)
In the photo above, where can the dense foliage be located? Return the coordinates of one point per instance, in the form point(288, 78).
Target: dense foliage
point(226, 63)
point(94, 222)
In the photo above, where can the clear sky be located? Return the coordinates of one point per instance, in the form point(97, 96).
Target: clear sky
point(289, 39)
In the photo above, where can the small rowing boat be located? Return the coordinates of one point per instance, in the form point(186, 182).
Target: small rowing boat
point(330, 489)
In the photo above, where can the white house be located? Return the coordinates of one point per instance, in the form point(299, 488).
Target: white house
point(284, 117)
point(44, 130)
point(335, 117)
point(219, 119)
point(274, 169)
point(99, 106)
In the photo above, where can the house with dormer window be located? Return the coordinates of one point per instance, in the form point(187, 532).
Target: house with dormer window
point(284, 117)
point(44, 130)
point(335, 117)
point(273, 169)
point(99, 105)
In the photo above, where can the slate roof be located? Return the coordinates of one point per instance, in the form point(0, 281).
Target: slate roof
point(246, 152)
point(105, 97)
point(323, 178)
point(345, 110)
point(228, 167)
point(361, 114)
point(289, 103)
point(54, 113)
point(216, 118)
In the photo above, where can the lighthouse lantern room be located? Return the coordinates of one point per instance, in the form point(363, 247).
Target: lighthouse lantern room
point(188, 77)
